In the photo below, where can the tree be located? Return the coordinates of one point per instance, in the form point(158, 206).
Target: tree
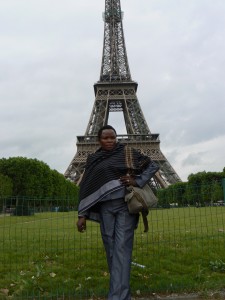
point(30, 177)
point(217, 192)
point(34, 179)
point(201, 189)
point(6, 187)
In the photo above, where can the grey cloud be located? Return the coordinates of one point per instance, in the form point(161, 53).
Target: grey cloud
point(50, 57)
point(193, 159)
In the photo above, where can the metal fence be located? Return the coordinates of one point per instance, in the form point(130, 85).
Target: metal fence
point(42, 256)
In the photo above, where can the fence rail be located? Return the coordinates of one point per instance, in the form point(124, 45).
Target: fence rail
point(42, 256)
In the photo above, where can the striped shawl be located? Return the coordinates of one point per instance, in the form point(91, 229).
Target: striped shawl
point(102, 172)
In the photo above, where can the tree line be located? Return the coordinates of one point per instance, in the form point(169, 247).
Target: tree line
point(32, 182)
point(202, 188)
point(27, 179)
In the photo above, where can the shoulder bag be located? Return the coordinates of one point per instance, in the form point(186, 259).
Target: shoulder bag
point(139, 200)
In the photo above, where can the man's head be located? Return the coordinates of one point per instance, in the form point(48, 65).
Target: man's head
point(107, 137)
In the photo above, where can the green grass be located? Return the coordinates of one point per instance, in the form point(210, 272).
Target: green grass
point(43, 256)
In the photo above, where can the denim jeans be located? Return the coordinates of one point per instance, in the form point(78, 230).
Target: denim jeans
point(117, 229)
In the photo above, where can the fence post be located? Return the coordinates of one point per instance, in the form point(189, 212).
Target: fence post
point(223, 184)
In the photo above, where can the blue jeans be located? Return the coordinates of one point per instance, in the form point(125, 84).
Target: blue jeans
point(117, 229)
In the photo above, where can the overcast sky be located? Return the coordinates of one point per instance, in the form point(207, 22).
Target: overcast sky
point(50, 57)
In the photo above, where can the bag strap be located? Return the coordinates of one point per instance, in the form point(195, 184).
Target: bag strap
point(145, 220)
point(129, 158)
point(129, 163)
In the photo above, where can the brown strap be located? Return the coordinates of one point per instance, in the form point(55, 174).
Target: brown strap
point(145, 220)
point(129, 163)
point(128, 157)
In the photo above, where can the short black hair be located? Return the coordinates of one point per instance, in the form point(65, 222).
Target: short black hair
point(104, 128)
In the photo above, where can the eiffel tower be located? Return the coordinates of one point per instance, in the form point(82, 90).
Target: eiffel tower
point(116, 92)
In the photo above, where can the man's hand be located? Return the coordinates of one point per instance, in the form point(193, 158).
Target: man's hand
point(128, 180)
point(81, 224)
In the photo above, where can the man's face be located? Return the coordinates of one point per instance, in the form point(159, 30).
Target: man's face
point(108, 139)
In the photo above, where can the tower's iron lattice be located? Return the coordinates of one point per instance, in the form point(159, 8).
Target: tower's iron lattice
point(116, 91)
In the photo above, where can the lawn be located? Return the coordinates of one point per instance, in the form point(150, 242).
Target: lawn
point(44, 257)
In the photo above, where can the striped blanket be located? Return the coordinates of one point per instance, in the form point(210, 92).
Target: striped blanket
point(102, 172)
